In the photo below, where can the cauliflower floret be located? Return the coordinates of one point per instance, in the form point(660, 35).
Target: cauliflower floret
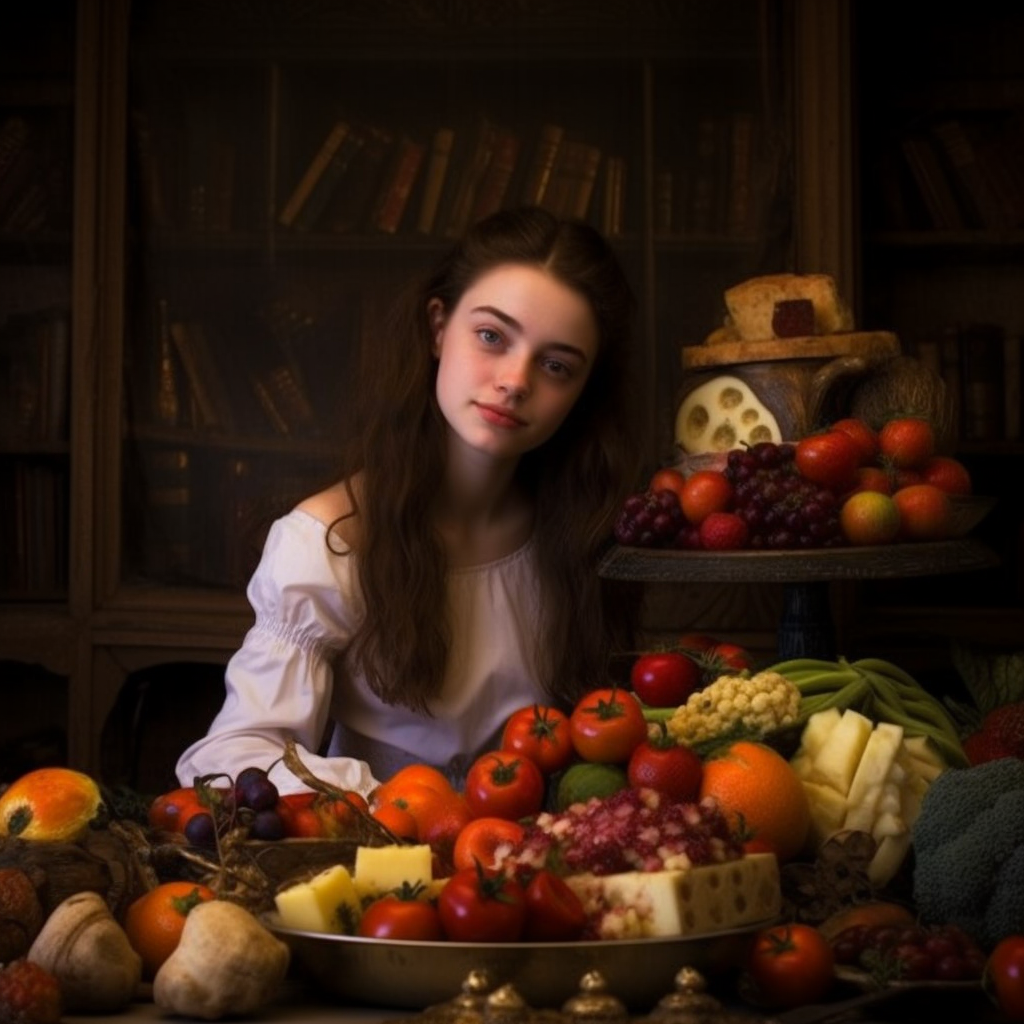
point(736, 704)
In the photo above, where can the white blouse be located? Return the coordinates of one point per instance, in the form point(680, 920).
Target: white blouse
point(290, 678)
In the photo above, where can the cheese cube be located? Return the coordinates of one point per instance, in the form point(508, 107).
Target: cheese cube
point(326, 903)
point(381, 869)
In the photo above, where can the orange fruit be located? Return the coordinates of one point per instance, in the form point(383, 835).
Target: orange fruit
point(761, 795)
point(869, 517)
point(154, 921)
point(396, 820)
point(925, 512)
point(412, 774)
point(704, 492)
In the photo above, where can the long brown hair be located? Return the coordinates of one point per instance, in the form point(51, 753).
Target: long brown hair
point(578, 478)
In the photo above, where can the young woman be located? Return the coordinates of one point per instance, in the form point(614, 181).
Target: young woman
point(449, 578)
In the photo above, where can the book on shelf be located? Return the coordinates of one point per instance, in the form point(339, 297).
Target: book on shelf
point(1001, 155)
point(206, 384)
point(541, 164)
point(962, 157)
point(573, 178)
point(949, 349)
point(1013, 384)
point(167, 483)
point(932, 183)
point(611, 197)
point(397, 185)
point(314, 174)
point(708, 178)
point(981, 359)
point(740, 197)
point(435, 175)
point(497, 179)
point(149, 177)
point(34, 376)
point(351, 207)
point(468, 172)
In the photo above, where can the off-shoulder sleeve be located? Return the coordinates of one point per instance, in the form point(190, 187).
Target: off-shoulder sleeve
point(278, 684)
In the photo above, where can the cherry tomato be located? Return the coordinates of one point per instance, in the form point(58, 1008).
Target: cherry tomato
point(790, 965)
point(171, 810)
point(554, 913)
point(830, 459)
point(668, 480)
point(541, 734)
point(862, 435)
point(481, 905)
point(1004, 976)
point(730, 657)
point(663, 765)
point(402, 915)
point(301, 819)
point(664, 679)
point(906, 442)
point(696, 644)
point(607, 725)
point(501, 784)
point(482, 840)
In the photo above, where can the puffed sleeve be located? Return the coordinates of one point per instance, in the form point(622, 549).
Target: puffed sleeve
point(278, 684)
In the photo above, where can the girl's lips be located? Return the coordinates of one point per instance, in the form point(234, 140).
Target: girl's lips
point(499, 416)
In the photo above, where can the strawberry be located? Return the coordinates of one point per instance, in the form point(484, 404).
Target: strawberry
point(29, 994)
point(723, 531)
point(21, 914)
point(982, 746)
point(1006, 725)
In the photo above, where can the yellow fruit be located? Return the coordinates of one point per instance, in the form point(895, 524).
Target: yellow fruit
point(869, 517)
point(54, 804)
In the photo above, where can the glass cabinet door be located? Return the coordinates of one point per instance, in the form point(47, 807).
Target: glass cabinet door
point(290, 169)
point(36, 157)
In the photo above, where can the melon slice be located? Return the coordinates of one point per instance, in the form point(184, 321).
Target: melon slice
point(722, 414)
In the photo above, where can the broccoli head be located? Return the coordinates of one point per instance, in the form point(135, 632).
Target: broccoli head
point(969, 850)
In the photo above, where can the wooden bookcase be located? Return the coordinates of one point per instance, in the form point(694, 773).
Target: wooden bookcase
point(190, 127)
point(941, 262)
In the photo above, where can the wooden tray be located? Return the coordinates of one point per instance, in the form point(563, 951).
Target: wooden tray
point(869, 345)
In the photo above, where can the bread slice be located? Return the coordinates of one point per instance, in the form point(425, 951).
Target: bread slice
point(751, 304)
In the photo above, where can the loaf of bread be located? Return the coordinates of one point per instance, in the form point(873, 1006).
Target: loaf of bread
point(751, 304)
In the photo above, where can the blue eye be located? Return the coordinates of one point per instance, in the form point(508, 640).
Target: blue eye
point(488, 336)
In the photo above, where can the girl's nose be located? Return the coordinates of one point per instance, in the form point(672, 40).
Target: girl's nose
point(513, 379)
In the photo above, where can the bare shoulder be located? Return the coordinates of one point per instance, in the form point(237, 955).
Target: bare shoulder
point(334, 506)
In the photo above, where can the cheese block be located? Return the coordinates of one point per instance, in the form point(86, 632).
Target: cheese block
point(751, 304)
point(328, 902)
point(381, 869)
point(691, 901)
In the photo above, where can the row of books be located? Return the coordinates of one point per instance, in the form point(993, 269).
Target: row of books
point(34, 376)
point(34, 525)
point(201, 381)
point(179, 542)
point(373, 178)
point(35, 174)
point(956, 174)
point(712, 191)
point(981, 366)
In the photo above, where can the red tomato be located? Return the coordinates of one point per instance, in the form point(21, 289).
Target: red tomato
point(1004, 976)
point(483, 839)
point(668, 480)
point(663, 765)
point(664, 679)
point(606, 725)
point(479, 905)
point(790, 965)
point(401, 915)
point(862, 435)
point(170, 811)
point(300, 817)
point(554, 913)
point(696, 643)
point(730, 658)
point(907, 442)
point(706, 491)
point(501, 784)
point(541, 734)
point(948, 474)
point(830, 459)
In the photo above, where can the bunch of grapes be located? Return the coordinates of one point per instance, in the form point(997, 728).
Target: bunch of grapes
point(653, 520)
point(782, 508)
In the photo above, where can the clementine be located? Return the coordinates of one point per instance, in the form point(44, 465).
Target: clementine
point(760, 793)
point(154, 921)
point(412, 774)
point(397, 820)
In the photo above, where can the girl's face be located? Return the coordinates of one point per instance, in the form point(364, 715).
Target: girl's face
point(514, 355)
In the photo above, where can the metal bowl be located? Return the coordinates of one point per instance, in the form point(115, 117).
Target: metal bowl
point(415, 975)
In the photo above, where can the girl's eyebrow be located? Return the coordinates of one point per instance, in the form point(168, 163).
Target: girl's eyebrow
point(512, 322)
